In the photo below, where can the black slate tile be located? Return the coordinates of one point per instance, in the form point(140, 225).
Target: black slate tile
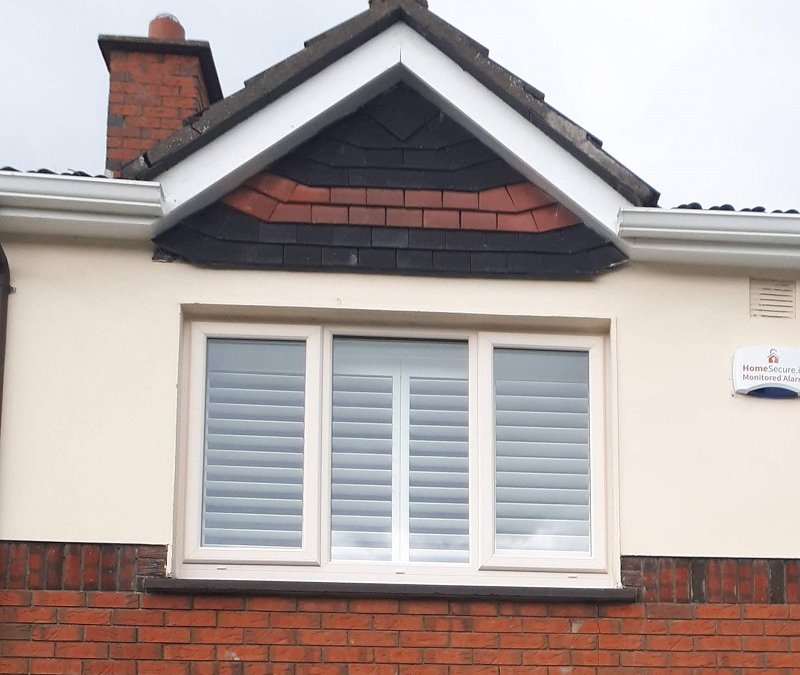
point(454, 262)
point(336, 256)
point(377, 258)
point(309, 172)
point(523, 263)
point(561, 266)
point(373, 177)
point(390, 237)
point(542, 242)
point(401, 110)
point(489, 262)
point(439, 132)
point(320, 235)
point(238, 226)
point(333, 152)
point(352, 235)
point(416, 261)
point(494, 173)
point(426, 239)
point(581, 238)
point(500, 241)
point(581, 263)
point(214, 252)
point(277, 233)
point(302, 256)
point(463, 240)
point(389, 159)
point(208, 226)
point(418, 158)
point(364, 132)
point(263, 254)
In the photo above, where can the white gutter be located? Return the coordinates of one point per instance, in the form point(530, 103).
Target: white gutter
point(727, 238)
point(74, 206)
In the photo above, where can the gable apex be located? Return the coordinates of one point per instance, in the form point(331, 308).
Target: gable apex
point(329, 47)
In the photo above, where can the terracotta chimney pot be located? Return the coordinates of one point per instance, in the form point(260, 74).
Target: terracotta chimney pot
point(166, 27)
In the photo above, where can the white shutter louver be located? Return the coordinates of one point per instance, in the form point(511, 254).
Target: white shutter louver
point(542, 452)
point(253, 465)
point(400, 487)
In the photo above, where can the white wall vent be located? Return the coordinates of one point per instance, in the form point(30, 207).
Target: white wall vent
point(773, 298)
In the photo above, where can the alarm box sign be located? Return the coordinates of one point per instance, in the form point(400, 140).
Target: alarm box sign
point(767, 371)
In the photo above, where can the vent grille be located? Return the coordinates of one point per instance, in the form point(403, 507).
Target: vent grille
point(772, 298)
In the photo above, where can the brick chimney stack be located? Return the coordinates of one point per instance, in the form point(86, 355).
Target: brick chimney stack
point(155, 84)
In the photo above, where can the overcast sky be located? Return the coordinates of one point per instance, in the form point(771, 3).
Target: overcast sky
point(700, 98)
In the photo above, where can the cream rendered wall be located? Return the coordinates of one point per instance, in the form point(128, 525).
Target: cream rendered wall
point(89, 421)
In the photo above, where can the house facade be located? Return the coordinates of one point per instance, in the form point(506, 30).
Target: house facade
point(383, 365)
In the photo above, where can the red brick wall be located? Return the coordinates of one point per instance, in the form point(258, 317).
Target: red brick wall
point(149, 97)
point(89, 631)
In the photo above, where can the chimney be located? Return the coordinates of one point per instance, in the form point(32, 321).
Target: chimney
point(156, 83)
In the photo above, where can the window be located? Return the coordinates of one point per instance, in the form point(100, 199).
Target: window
point(347, 454)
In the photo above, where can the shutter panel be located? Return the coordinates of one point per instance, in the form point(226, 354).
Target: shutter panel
point(400, 486)
point(542, 451)
point(253, 472)
point(361, 490)
point(438, 470)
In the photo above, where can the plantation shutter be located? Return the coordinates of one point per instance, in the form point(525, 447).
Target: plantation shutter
point(438, 470)
point(542, 452)
point(399, 451)
point(253, 471)
point(361, 490)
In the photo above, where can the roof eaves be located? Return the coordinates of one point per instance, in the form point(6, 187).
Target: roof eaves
point(719, 237)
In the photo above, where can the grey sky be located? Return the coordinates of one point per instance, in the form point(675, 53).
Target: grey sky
point(698, 97)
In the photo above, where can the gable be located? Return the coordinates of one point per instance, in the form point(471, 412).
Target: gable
point(395, 187)
point(339, 71)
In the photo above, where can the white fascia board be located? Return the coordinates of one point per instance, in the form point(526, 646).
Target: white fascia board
point(76, 206)
point(725, 238)
point(399, 53)
point(528, 149)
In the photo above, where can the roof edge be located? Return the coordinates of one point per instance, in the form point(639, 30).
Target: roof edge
point(199, 48)
point(716, 238)
point(52, 205)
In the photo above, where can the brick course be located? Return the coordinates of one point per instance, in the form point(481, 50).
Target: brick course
point(88, 630)
point(520, 207)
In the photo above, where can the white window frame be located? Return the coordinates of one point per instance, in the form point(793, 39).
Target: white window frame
point(194, 551)
point(594, 347)
point(327, 393)
point(313, 561)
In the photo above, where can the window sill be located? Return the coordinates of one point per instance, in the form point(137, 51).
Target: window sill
point(372, 590)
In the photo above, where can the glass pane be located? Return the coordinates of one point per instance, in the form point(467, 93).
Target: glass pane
point(541, 452)
point(253, 470)
point(399, 451)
